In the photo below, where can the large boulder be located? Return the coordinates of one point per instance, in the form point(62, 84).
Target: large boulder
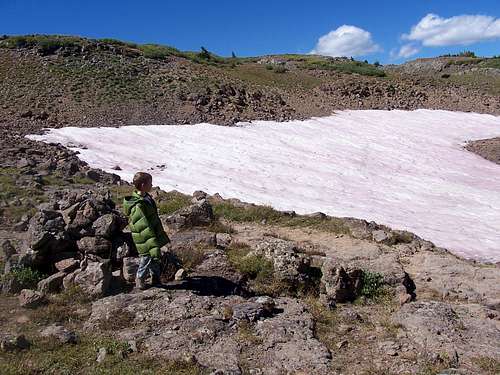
point(95, 245)
point(338, 284)
point(198, 214)
point(94, 277)
point(290, 264)
point(51, 284)
point(46, 235)
point(31, 299)
point(107, 225)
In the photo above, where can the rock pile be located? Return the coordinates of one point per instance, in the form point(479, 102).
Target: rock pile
point(77, 239)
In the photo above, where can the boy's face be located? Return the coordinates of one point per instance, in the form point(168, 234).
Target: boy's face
point(147, 186)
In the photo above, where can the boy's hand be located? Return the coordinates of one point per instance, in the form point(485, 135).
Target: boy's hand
point(155, 253)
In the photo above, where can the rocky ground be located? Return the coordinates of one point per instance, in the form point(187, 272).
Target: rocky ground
point(247, 289)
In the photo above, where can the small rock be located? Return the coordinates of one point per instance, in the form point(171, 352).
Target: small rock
point(266, 302)
point(223, 240)
point(132, 346)
point(18, 343)
point(380, 236)
point(198, 196)
point(67, 265)
point(101, 355)
point(389, 347)
point(60, 333)
point(23, 319)
point(342, 344)
point(181, 274)
point(31, 299)
point(7, 249)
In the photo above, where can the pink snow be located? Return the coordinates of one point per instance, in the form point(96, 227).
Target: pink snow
point(407, 170)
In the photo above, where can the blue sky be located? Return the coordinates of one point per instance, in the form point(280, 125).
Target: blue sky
point(374, 30)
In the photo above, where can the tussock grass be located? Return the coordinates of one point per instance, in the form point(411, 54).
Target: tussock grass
point(268, 215)
point(47, 356)
point(347, 66)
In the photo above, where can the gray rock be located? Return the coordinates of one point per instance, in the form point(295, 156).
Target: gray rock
point(67, 265)
point(17, 343)
point(129, 269)
point(191, 238)
point(31, 299)
point(94, 278)
point(193, 328)
point(60, 333)
point(338, 284)
point(132, 344)
point(197, 214)
point(47, 236)
point(95, 245)
point(381, 236)
point(439, 272)
point(51, 284)
point(248, 311)
point(199, 196)
point(107, 225)
point(223, 240)
point(289, 263)
point(101, 355)
point(181, 274)
point(457, 331)
point(7, 250)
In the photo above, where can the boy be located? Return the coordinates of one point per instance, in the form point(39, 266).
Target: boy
point(147, 230)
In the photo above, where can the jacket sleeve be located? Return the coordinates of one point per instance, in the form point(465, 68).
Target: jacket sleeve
point(161, 235)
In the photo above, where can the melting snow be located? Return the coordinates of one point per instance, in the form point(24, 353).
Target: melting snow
point(407, 170)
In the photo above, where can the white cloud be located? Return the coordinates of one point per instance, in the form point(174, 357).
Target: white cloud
point(408, 50)
point(435, 31)
point(347, 40)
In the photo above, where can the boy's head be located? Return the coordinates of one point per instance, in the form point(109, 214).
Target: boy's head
point(143, 182)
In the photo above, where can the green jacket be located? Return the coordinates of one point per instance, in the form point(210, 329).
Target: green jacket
point(145, 225)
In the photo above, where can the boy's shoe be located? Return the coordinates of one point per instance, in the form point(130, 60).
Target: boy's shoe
point(140, 284)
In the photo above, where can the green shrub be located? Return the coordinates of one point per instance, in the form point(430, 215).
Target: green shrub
point(280, 69)
point(171, 202)
point(372, 284)
point(117, 42)
point(46, 44)
point(269, 215)
point(25, 276)
point(246, 214)
point(348, 67)
point(157, 52)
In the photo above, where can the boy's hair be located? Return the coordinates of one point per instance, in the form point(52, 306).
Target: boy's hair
point(140, 178)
